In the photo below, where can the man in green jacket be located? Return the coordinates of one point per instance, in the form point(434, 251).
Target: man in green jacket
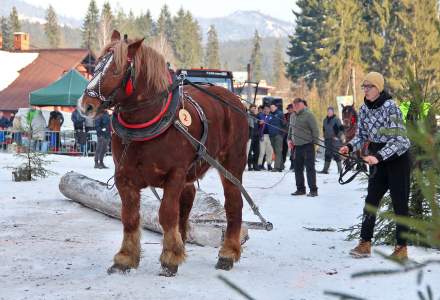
point(304, 133)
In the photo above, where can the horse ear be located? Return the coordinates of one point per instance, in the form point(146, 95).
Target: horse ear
point(116, 36)
point(342, 106)
point(133, 47)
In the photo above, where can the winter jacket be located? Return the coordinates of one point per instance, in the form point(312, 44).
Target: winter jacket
point(264, 128)
point(78, 120)
point(34, 120)
point(303, 128)
point(4, 123)
point(380, 122)
point(253, 126)
point(277, 122)
point(332, 127)
point(102, 126)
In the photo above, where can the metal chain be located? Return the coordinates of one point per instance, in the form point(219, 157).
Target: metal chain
point(228, 175)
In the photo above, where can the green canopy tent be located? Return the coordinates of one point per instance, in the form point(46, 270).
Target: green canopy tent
point(63, 92)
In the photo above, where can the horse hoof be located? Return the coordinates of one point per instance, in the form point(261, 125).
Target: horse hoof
point(168, 270)
point(117, 268)
point(224, 263)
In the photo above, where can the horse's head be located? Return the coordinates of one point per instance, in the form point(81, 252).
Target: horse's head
point(349, 116)
point(117, 72)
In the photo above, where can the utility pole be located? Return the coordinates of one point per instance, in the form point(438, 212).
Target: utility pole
point(353, 78)
point(249, 79)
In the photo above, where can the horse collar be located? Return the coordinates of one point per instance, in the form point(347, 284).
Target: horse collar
point(152, 128)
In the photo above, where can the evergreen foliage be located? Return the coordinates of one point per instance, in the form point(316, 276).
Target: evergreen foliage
point(212, 54)
point(256, 58)
point(90, 27)
point(51, 28)
point(14, 21)
point(6, 34)
point(106, 24)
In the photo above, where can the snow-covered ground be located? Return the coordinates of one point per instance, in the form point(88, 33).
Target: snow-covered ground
point(52, 248)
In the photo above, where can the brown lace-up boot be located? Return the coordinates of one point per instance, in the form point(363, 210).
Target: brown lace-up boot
point(362, 250)
point(400, 253)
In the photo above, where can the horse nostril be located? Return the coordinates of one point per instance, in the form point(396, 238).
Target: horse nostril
point(89, 108)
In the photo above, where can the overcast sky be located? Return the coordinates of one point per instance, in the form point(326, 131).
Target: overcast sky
point(281, 9)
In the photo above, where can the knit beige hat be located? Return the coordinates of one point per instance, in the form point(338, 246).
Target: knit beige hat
point(375, 79)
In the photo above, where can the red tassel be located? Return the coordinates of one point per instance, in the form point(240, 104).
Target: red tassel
point(129, 88)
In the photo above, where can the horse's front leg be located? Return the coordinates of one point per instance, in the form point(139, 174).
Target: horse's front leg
point(129, 255)
point(173, 251)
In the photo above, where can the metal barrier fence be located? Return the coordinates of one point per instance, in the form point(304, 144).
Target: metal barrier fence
point(67, 142)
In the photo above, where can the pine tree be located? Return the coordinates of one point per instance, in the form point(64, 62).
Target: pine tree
point(14, 22)
point(396, 48)
point(90, 27)
point(179, 38)
point(256, 58)
point(279, 68)
point(195, 40)
point(130, 26)
point(106, 24)
point(376, 15)
point(341, 51)
point(6, 34)
point(212, 55)
point(145, 25)
point(186, 40)
point(425, 42)
point(305, 43)
point(165, 23)
point(51, 28)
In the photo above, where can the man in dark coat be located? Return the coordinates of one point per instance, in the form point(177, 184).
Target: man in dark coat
point(333, 136)
point(4, 122)
point(276, 135)
point(102, 125)
point(285, 144)
point(253, 147)
point(79, 126)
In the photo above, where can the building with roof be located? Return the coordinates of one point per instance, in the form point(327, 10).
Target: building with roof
point(25, 70)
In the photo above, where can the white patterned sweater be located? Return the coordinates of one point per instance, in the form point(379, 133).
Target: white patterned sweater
point(381, 124)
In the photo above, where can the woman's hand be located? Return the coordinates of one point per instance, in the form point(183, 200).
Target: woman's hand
point(371, 160)
point(290, 144)
point(344, 150)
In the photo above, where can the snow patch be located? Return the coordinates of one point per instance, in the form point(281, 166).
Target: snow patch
point(12, 63)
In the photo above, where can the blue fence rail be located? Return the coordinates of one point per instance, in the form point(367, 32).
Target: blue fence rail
point(65, 142)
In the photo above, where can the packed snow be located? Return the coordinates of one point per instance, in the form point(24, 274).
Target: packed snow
point(53, 248)
point(12, 63)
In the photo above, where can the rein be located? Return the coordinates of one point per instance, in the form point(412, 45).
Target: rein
point(351, 161)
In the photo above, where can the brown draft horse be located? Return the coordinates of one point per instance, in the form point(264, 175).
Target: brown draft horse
point(165, 161)
point(350, 121)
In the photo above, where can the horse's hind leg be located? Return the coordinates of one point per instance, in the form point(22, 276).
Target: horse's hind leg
point(173, 251)
point(186, 203)
point(231, 248)
point(129, 255)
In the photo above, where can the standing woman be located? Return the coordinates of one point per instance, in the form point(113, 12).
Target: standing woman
point(380, 123)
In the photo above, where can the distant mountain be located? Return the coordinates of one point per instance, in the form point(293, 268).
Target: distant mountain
point(239, 25)
point(34, 13)
point(242, 25)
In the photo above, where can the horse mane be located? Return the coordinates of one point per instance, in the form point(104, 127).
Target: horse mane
point(150, 66)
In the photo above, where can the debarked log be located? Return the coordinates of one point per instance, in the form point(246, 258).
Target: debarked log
point(207, 221)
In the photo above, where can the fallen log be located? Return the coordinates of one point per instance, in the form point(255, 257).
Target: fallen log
point(207, 220)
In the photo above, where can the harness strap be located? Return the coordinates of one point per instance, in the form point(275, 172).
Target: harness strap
point(214, 163)
point(204, 120)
